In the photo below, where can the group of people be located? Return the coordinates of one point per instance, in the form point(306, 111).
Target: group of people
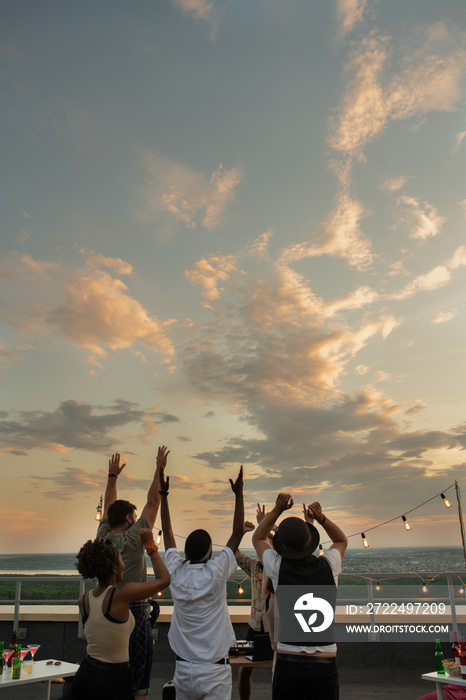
point(118, 659)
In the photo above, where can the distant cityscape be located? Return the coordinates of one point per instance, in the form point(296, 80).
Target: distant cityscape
point(400, 559)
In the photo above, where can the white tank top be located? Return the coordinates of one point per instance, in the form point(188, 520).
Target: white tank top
point(107, 639)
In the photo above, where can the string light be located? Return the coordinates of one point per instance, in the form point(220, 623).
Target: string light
point(446, 501)
point(364, 541)
point(407, 525)
point(240, 590)
point(321, 551)
point(159, 538)
point(461, 590)
point(424, 587)
point(159, 593)
point(98, 515)
point(377, 587)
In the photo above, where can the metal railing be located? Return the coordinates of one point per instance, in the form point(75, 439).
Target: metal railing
point(344, 593)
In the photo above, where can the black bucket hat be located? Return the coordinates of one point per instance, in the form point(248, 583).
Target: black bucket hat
point(295, 539)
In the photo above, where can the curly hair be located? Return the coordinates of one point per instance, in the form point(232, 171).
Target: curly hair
point(96, 559)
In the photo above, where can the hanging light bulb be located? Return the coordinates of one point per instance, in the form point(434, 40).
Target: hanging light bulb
point(424, 587)
point(407, 525)
point(98, 515)
point(461, 590)
point(321, 551)
point(446, 501)
point(364, 541)
point(377, 586)
point(159, 538)
point(159, 593)
point(240, 590)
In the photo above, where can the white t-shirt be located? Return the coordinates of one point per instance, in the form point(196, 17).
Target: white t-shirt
point(272, 561)
point(200, 629)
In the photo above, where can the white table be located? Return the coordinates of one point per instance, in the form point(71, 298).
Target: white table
point(40, 672)
point(440, 680)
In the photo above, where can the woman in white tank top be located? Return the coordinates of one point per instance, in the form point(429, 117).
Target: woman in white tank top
point(108, 622)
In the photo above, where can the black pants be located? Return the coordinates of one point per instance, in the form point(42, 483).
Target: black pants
point(102, 682)
point(305, 678)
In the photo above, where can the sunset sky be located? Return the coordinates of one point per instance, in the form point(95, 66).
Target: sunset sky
point(237, 229)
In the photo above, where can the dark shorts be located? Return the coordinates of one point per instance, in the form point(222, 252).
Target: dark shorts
point(251, 633)
point(102, 682)
point(305, 678)
point(141, 648)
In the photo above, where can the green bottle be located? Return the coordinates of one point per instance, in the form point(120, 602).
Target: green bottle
point(2, 658)
point(439, 658)
point(16, 665)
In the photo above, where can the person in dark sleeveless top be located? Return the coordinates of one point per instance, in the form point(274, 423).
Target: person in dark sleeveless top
point(302, 671)
point(105, 672)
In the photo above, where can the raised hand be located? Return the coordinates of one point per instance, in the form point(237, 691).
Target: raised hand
point(316, 510)
point(284, 502)
point(248, 526)
point(164, 482)
point(260, 513)
point(308, 516)
point(162, 456)
point(237, 486)
point(114, 465)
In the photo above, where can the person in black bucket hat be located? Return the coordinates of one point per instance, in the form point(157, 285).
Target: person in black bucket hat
point(302, 671)
point(295, 539)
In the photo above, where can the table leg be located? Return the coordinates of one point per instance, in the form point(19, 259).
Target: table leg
point(48, 685)
point(439, 687)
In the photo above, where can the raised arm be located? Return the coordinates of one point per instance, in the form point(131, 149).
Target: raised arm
point(262, 531)
point(114, 471)
point(168, 536)
point(337, 535)
point(151, 508)
point(238, 516)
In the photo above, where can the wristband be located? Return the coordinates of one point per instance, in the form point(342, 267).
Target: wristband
point(152, 549)
point(163, 493)
point(114, 475)
point(323, 521)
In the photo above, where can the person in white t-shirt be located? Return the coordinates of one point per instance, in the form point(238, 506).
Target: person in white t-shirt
point(201, 632)
point(302, 672)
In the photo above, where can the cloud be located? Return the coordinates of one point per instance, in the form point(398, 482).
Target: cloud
point(17, 520)
point(73, 482)
point(341, 237)
point(434, 279)
point(361, 297)
point(203, 10)
point(258, 248)
point(8, 357)
point(458, 259)
point(89, 307)
point(120, 266)
point(349, 13)
point(444, 317)
point(209, 272)
point(186, 194)
point(97, 313)
point(422, 220)
point(428, 80)
point(393, 184)
point(75, 425)
point(459, 140)
point(272, 344)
